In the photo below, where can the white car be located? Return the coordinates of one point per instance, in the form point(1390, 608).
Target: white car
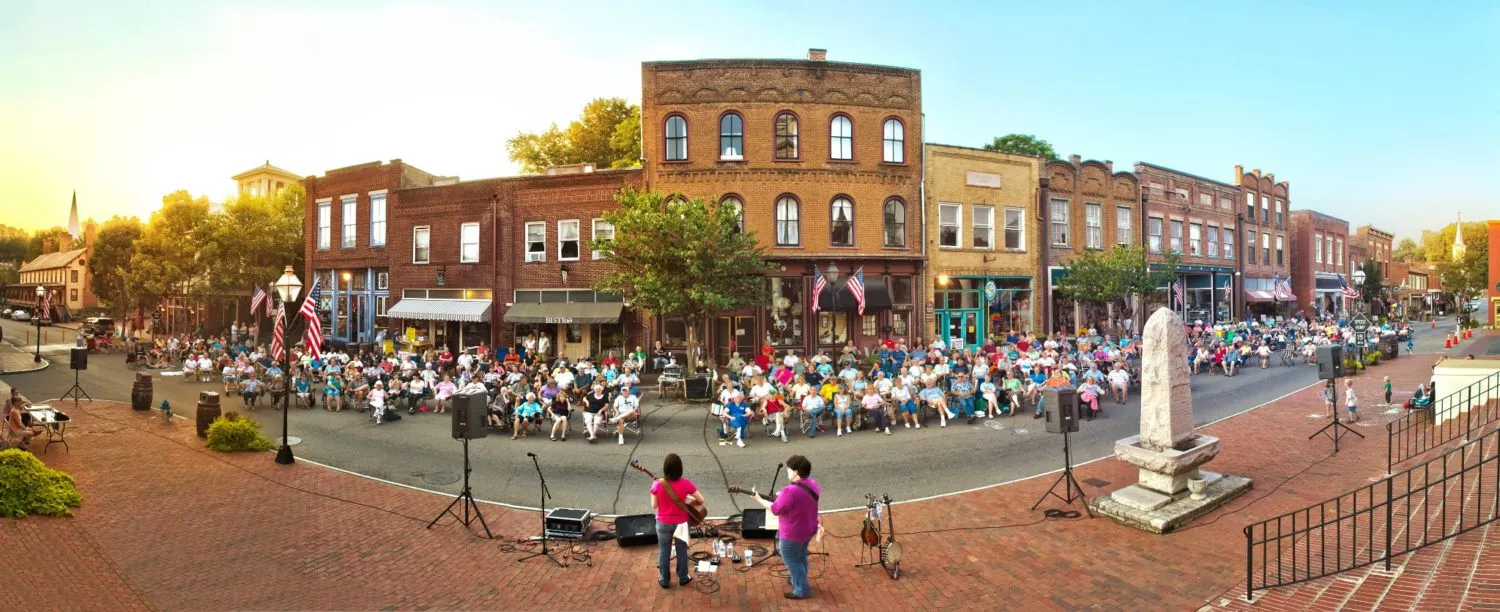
point(6, 313)
point(20, 315)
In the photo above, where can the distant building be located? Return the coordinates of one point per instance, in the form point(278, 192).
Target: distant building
point(63, 271)
point(1319, 260)
point(1088, 206)
point(264, 179)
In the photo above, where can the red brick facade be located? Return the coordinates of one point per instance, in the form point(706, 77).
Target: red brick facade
point(1263, 208)
point(1319, 257)
point(1196, 217)
point(1073, 187)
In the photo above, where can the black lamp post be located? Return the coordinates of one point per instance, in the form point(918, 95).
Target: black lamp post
point(286, 288)
point(41, 294)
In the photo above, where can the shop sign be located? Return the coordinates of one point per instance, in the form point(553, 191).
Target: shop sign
point(559, 320)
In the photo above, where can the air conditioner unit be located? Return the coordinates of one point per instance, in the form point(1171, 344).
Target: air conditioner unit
point(536, 256)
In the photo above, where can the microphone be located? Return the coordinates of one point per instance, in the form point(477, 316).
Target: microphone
point(532, 455)
point(779, 466)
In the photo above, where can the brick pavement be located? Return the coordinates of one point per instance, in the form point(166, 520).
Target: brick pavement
point(168, 525)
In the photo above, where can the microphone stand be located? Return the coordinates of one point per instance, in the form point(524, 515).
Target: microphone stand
point(776, 540)
point(543, 552)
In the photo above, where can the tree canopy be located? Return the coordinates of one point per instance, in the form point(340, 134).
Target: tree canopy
point(109, 264)
point(1120, 272)
point(1469, 275)
point(1022, 144)
point(1408, 251)
point(253, 239)
point(606, 134)
point(167, 254)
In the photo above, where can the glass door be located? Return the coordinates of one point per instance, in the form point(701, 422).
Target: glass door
point(731, 335)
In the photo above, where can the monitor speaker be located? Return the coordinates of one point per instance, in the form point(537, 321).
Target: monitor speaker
point(79, 359)
point(753, 525)
point(696, 387)
point(469, 411)
point(636, 530)
point(1330, 361)
point(1061, 410)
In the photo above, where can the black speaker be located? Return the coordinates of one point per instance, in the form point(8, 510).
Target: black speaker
point(696, 387)
point(1061, 410)
point(469, 411)
point(79, 359)
point(636, 530)
point(1330, 361)
point(753, 525)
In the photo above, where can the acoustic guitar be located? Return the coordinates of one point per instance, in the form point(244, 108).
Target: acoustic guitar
point(770, 497)
point(696, 511)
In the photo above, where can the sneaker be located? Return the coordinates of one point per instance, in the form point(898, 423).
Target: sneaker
point(841, 432)
point(622, 439)
point(887, 431)
point(952, 415)
point(944, 423)
point(739, 443)
point(919, 425)
point(908, 425)
point(783, 436)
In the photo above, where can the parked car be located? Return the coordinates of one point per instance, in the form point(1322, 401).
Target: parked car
point(20, 314)
point(6, 313)
point(98, 326)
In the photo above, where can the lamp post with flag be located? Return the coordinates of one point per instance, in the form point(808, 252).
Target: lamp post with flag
point(287, 288)
point(42, 307)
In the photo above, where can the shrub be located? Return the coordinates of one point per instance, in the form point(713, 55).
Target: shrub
point(1372, 358)
point(1352, 363)
point(27, 486)
point(231, 433)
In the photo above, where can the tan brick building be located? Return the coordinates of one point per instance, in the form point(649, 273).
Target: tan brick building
point(983, 250)
point(1263, 211)
point(825, 160)
point(1088, 206)
point(1196, 218)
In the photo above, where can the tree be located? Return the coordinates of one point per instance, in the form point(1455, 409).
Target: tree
point(1372, 289)
point(166, 260)
point(54, 235)
point(252, 240)
point(13, 243)
point(680, 258)
point(606, 134)
point(1467, 277)
point(1022, 144)
point(1116, 274)
point(1407, 251)
point(114, 247)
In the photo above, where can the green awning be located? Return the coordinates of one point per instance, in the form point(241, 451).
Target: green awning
point(564, 313)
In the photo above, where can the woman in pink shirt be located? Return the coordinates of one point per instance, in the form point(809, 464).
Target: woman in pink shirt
point(665, 497)
point(444, 390)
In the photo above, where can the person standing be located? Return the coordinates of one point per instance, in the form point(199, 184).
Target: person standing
point(670, 497)
point(1351, 403)
point(796, 509)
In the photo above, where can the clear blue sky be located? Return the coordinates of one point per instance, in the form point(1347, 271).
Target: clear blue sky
point(1385, 112)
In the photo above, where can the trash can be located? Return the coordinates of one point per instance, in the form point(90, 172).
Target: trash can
point(140, 393)
point(208, 411)
point(1391, 346)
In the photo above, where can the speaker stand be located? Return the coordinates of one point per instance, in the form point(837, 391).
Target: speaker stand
point(1337, 428)
point(542, 552)
point(76, 391)
point(466, 498)
point(1072, 491)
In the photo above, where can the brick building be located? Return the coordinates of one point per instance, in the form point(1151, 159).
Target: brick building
point(1378, 244)
point(1320, 265)
point(1263, 212)
point(1088, 206)
point(824, 158)
point(1493, 286)
point(1196, 218)
point(983, 252)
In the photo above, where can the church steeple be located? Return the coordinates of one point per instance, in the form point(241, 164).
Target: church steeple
point(74, 229)
point(1458, 239)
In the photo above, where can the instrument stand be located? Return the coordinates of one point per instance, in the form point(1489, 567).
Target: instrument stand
point(542, 552)
point(1072, 491)
point(465, 497)
point(76, 391)
point(1337, 428)
point(865, 550)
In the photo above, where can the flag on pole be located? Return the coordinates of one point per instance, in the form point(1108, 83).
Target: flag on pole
point(256, 299)
point(1349, 292)
point(819, 283)
point(313, 337)
point(856, 287)
point(1177, 293)
point(1228, 284)
point(278, 337)
point(46, 310)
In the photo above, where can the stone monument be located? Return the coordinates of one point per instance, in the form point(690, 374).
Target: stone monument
point(1170, 491)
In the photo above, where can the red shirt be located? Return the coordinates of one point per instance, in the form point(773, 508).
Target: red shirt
point(763, 361)
point(773, 405)
point(667, 512)
point(610, 361)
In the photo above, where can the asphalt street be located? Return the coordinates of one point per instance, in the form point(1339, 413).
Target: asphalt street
point(418, 450)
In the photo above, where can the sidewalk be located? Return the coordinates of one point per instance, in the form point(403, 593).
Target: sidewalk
point(13, 360)
point(167, 525)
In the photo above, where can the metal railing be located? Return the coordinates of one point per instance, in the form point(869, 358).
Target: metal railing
point(1429, 503)
point(1461, 414)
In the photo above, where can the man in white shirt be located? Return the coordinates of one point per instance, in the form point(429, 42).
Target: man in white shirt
point(626, 405)
point(1119, 383)
point(543, 346)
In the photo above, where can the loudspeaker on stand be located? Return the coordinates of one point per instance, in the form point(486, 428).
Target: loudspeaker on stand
point(79, 359)
point(1061, 410)
point(469, 411)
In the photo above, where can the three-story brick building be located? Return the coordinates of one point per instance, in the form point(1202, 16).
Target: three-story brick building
point(1088, 206)
point(1320, 265)
point(1265, 265)
point(1195, 217)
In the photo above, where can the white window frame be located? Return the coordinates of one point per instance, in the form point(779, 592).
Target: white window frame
point(1175, 235)
point(724, 153)
point(1265, 210)
point(987, 230)
point(349, 207)
point(668, 138)
point(1154, 234)
point(1195, 239)
point(538, 255)
point(1279, 207)
point(894, 141)
point(1019, 227)
point(1093, 225)
point(463, 243)
point(421, 230)
point(1338, 251)
point(1065, 224)
point(382, 304)
point(1250, 205)
point(377, 218)
point(1124, 226)
point(1211, 246)
point(1250, 240)
point(1279, 246)
point(594, 230)
point(1227, 235)
point(1317, 248)
point(325, 223)
point(788, 221)
point(840, 137)
point(577, 237)
point(957, 224)
point(1265, 247)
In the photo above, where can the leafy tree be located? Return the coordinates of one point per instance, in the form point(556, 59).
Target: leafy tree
point(1372, 287)
point(1116, 274)
point(114, 247)
point(34, 245)
point(679, 258)
point(166, 260)
point(606, 134)
point(13, 243)
point(1407, 251)
point(252, 240)
point(1467, 276)
point(1022, 144)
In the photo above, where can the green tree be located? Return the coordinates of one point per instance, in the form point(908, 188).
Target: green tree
point(34, 244)
point(679, 258)
point(1371, 288)
point(114, 247)
point(167, 260)
point(1468, 276)
point(13, 243)
point(1022, 144)
point(607, 134)
point(1112, 276)
point(252, 240)
point(1408, 251)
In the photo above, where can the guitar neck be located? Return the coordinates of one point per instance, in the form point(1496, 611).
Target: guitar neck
point(769, 498)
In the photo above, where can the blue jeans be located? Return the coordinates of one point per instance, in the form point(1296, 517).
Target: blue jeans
point(794, 554)
point(664, 543)
point(812, 431)
point(965, 405)
point(1040, 400)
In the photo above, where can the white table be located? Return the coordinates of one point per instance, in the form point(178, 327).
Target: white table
point(56, 428)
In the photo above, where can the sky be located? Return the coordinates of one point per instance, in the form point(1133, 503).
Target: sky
point(1382, 112)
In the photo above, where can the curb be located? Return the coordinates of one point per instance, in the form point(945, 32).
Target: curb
point(45, 363)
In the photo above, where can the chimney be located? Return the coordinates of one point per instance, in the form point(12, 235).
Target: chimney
point(1271, 177)
point(46, 246)
point(1110, 166)
point(1257, 173)
point(90, 231)
point(1239, 173)
point(817, 55)
point(65, 243)
point(1076, 159)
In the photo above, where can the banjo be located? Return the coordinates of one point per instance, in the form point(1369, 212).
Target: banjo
point(890, 551)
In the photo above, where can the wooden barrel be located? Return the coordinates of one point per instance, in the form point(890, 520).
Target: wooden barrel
point(140, 394)
point(208, 411)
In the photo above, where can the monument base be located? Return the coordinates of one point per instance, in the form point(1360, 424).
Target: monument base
point(1152, 511)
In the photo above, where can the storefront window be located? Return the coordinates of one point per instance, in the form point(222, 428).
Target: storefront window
point(833, 327)
point(868, 326)
point(674, 332)
point(786, 312)
point(609, 337)
point(899, 324)
point(575, 334)
point(1010, 310)
point(900, 290)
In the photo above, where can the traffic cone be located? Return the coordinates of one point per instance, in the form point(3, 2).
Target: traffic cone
point(1434, 323)
point(1448, 341)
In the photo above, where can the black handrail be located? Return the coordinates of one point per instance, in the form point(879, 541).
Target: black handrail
point(1454, 416)
point(1378, 522)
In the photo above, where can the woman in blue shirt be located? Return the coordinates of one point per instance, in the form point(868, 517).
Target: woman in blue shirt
point(530, 410)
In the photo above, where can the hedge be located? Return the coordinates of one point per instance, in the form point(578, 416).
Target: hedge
point(28, 486)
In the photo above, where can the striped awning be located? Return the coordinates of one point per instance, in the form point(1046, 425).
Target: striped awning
point(468, 311)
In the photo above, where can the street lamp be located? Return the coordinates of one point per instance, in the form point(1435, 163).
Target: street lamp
point(41, 294)
point(1359, 281)
point(286, 287)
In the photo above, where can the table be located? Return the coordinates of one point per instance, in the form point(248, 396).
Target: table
point(55, 423)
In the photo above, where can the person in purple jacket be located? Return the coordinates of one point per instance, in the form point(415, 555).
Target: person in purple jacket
point(796, 510)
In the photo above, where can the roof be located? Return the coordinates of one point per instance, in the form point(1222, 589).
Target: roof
point(1186, 174)
point(266, 168)
point(52, 260)
point(775, 64)
point(471, 311)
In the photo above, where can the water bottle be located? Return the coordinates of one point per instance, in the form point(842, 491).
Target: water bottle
point(730, 552)
point(718, 548)
point(749, 557)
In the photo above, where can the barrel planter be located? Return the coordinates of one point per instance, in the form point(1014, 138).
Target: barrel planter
point(208, 411)
point(140, 393)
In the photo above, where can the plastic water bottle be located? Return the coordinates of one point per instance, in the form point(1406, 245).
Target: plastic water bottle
point(730, 552)
point(749, 557)
point(718, 548)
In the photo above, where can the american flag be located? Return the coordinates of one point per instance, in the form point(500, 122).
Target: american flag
point(256, 299)
point(819, 284)
point(1284, 288)
point(1228, 285)
point(278, 337)
point(313, 337)
point(46, 313)
point(1177, 292)
point(856, 286)
point(1349, 292)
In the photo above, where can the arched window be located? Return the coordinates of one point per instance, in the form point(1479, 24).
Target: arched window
point(786, 136)
point(787, 215)
point(841, 222)
point(676, 138)
point(841, 138)
point(895, 141)
point(731, 137)
point(895, 223)
point(738, 206)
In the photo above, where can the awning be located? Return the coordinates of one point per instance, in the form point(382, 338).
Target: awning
point(564, 312)
point(877, 297)
point(1256, 295)
point(469, 311)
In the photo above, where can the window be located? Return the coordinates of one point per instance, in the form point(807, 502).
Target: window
point(536, 241)
point(1213, 242)
point(1279, 206)
point(1318, 248)
point(1228, 243)
point(1225, 203)
point(841, 222)
point(1250, 206)
point(602, 230)
point(73, 296)
point(949, 217)
point(74, 275)
point(1123, 225)
point(1265, 210)
point(1060, 228)
point(346, 237)
point(1093, 224)
point(421, 244)
point(787, 214)
point(895, 142)
point(1015, 229)
point(1329, 245)
point(676, 138)
point(1206, 200)
point(1279, 251)
point(1265, 248)
point(733, 202)
point(567, 240)
point(895, 223)
point(1176, 236)
point(325, 219)
point(382, 281)
point(377, 219)
point(731, 137)
point(984, 227)
point(380, 305)
point(468, 243)
point(840, 138)
point(1338, 251)
point(1153, 234)
point(1250, 240)
point(786, 136)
